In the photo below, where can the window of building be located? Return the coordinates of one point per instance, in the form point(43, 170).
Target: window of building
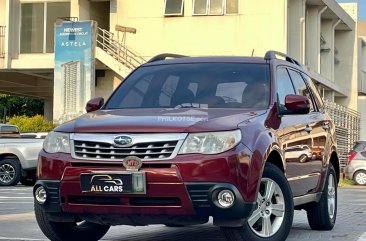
point(174, 7)
point(37, 25)
point(200, 7)
point(232, 7)
point(215, 7)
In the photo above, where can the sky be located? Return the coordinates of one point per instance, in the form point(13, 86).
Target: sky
point(361, 8)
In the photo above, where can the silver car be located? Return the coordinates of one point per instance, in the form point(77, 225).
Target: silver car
point(356, 164)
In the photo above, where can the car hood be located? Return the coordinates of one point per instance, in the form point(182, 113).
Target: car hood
point(159, 120)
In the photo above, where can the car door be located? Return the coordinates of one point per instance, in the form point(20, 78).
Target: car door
point(312, 167)
point(294, 135)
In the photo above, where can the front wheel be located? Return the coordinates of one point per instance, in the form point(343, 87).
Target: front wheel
point(272, 217)
point(70, 231)
point(322, 215)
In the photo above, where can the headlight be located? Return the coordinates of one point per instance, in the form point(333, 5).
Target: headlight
point(57, 142)
point(210, 142)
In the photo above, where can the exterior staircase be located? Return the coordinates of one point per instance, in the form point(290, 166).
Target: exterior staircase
point(114, 54)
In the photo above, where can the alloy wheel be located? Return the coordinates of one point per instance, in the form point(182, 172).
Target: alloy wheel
point(361, 178)
point(331, 196)
point(7, 173)
point(268, 216)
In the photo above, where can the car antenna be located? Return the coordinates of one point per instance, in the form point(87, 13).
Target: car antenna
point(253, 52)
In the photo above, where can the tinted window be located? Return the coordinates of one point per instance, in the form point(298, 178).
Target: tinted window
point(300, 87)
point(360, 146)
point(9, 129)
point(316, 94)
point(213, 85)
point(284, 85)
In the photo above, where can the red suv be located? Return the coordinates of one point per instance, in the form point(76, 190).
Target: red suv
point(183, 139)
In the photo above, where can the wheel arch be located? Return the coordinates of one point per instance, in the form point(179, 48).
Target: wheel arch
point(334, 160)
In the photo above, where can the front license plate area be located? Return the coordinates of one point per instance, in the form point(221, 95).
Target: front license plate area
point(112, 183)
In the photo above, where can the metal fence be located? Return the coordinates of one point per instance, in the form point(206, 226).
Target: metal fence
point(347, 127)
point(2, 41)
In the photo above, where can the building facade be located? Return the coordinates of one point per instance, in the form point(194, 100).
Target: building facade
point(320, 34)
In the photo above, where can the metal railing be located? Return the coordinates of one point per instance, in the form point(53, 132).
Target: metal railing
point(107, 41)
point(347, 127)
point(2, 41)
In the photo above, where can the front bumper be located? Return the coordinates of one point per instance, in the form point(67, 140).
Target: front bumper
point(178, 191)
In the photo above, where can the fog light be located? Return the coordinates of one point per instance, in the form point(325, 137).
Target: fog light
point(41, 195)
point(226, 198)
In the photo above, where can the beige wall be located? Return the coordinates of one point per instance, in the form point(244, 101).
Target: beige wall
point(260, 28)
point(2, 12)
point(106, 84)
point(346, 74)
point(362, 108)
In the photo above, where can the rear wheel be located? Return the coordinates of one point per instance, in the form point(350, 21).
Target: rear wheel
point(360, 177)
point(272, 217)
point(322, 215)
point(10, 172)
point(70, 231)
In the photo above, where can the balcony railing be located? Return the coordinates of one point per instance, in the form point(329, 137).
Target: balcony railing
point(2, 41)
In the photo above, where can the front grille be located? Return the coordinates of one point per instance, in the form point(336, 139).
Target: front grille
point(199, 194)
point(99, 150)
point(145, 146)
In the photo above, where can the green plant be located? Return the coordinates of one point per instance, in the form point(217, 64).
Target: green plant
point(36, 123)
point(346, 182)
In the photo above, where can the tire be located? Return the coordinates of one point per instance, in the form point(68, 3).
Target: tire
point(28, 181)
point(280, 201)
point(10, 172)
point(62, 231)
point(360, 177)
point(322, 215)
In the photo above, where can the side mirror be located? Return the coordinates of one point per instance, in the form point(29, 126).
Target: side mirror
point(94, 104)
point(295, 105)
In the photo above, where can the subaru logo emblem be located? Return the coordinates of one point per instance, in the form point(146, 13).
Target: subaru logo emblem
point(123, 140)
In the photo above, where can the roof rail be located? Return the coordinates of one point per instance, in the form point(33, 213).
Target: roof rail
point(165, 56)
point(272, 55)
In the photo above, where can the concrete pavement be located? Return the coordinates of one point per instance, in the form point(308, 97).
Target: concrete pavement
point(17, 222)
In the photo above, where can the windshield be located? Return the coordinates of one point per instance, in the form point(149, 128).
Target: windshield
point(210, 85)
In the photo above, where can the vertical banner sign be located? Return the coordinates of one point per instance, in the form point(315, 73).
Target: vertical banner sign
point(74, 78)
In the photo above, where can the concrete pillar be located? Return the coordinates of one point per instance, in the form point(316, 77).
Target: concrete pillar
point(362, 110)
point(345, 72)
point(80, 9)
point(326, 49)
point(48, 109)
point(313, 28)
point(296, 30)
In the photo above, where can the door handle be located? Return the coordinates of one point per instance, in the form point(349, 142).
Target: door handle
point(308, 129)
point(325, 126)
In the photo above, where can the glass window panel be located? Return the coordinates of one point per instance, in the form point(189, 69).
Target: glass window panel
point(300, 87)
point(54, 11)
point(32, 28)
point(232, 6)
point(284, 85)
point(200, 7)
point(216, 7)
point(174, 7)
